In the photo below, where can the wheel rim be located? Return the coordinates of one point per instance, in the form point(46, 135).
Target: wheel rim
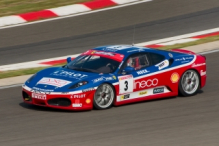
point(104, 96)
point(190, 82)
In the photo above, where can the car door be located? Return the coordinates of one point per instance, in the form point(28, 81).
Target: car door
point(144, 79)
point(127, 83)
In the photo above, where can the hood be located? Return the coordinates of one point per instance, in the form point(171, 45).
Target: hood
point(60, 79)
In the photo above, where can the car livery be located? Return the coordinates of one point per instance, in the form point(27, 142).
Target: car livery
point(116, 75)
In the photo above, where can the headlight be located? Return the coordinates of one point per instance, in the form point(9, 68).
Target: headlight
point(31, 78)
point(79, 84)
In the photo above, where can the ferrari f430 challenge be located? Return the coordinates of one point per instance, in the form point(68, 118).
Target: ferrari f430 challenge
point(116, 75)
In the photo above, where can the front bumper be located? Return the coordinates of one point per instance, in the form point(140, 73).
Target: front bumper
point(66, 101)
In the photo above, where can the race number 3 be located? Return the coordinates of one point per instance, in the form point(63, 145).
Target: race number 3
point(125, 84)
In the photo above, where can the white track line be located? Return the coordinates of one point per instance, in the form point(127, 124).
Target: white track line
point(179, 37)
point(10, 86)
point(208, 52)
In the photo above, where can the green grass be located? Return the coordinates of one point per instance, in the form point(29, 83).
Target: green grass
point(14, 73)
point(12, 7)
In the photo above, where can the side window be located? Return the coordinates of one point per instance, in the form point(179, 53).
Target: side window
point(156, 58)
point(138, 61)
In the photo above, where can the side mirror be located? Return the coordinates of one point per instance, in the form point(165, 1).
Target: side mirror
point(128, 69)
point(68, 59)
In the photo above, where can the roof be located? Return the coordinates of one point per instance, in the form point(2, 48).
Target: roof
point(122, 49)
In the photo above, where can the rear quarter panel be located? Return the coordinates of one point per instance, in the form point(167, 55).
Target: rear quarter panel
point(200, 66)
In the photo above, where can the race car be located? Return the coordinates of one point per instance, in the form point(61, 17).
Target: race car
point(116, 75)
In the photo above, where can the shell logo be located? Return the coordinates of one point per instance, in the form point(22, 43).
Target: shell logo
point(174, 77)
point(88, 101)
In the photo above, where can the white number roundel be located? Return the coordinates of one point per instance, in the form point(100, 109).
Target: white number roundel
point(125, 84)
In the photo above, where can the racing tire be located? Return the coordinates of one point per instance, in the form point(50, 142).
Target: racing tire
point(104, 96)
point(189, 83)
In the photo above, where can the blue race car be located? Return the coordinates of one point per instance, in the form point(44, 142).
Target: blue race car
point(116, 75)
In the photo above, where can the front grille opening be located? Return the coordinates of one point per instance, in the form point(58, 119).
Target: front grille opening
point(59, 102)
point(26, 97)
point(40, 103)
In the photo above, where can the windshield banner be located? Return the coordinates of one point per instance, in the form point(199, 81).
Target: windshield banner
point(111, 55)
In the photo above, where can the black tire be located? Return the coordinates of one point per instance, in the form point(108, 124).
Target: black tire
point(189, 83)
point(104, 96)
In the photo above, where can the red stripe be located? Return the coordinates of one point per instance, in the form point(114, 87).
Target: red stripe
point(55, 62)
point(96, 4)
point(154, 46)
point(38, 15)
point(206, 35)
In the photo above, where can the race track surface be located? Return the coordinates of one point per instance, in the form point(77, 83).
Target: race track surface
point(153, 20)
point(178, 121)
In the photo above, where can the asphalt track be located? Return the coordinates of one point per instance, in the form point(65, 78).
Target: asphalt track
point(177, 121)
point(154, 20)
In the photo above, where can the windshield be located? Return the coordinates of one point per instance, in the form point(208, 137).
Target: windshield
point(93, 63)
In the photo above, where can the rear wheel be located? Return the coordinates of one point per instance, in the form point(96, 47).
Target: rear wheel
point(104, 96)
point(189, 83)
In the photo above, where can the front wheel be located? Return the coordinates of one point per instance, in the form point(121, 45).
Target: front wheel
point(104, 96)
point(189, 83)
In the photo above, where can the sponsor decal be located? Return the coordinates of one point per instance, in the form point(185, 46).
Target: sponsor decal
point(108, 78)
point(191, 57)
point(180, 59)
point(171, 55)
point(88, 101)
point(89, 89)
point(139, 50)
point(98, 79)
point(184, 58)
point(185, 61)
point(142, 93)
point(53, 82)
point(144, 71)
point(125, 77)
point(69, 74)
point(79, 95)
point(42, 90)
point(203, 73)
point(114, 77)
point(146, 83)
point(93, 52)
point(39, 92)
point(103, 79)
point(77, 103)
point(116, 48)
point(122, 97)
point(103, 53)
point(174, 77)
point(158, 90)
point(162, 64)
point(26, 99)
point(197, 65)
point(39, 96)
point(131, 51)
